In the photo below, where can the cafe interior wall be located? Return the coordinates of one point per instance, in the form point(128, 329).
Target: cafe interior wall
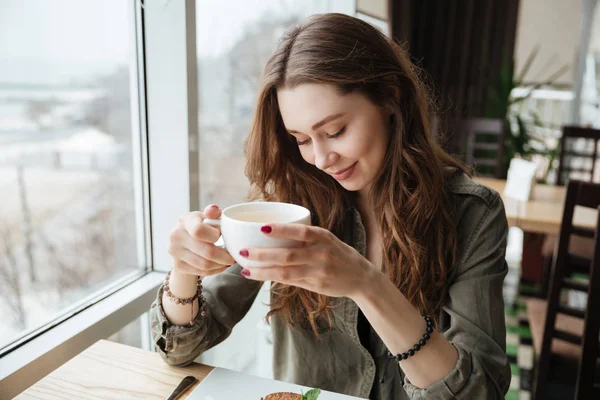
point(554, 26)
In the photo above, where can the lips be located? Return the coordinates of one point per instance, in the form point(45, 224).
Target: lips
point(344, 173)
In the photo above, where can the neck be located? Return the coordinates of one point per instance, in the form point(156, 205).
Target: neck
point(364, 207)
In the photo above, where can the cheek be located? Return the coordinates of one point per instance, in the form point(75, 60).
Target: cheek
point(307, 154)
point(372, 147)
point(363, 147)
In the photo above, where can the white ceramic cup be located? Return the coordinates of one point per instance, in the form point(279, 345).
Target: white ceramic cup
point(240, 227)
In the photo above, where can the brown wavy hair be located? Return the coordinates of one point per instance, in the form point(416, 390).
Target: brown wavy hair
point(410, 203)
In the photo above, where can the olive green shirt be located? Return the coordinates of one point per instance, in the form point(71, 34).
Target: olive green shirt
point(472, 319)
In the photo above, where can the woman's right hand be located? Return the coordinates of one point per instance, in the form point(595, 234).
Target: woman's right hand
point(191, 244)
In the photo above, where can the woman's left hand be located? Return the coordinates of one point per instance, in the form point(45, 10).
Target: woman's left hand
point(322, 263)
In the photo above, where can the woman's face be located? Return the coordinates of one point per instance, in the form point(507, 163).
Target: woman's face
point(345, 136)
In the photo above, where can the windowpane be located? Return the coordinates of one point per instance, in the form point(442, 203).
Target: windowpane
point(233, 44)
point(67, 203)
point(135, 334)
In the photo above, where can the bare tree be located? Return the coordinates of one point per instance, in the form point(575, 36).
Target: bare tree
point(110, 112)
point(86, 252)
point(249, 55)
point(26, 225)
point(11, 293)
point(66, 275)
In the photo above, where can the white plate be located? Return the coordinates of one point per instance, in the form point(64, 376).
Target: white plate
point(224, 384)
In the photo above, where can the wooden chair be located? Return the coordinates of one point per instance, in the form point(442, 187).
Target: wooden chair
point(580, 246)
point(479, 142)
point(570, 133)
point(576, 330)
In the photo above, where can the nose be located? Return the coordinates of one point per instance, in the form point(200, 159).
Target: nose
point(324, 156)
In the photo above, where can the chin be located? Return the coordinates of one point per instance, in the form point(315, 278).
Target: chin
point(353, 186)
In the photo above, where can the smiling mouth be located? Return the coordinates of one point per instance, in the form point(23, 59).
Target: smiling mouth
point(344, 173)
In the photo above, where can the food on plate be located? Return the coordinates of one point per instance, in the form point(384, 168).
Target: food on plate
point(312, 394)
point(282, 396)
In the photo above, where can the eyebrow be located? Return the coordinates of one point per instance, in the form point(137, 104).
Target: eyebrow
point(322, 122)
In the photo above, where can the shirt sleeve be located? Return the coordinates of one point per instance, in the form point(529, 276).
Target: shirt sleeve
point(475, 306)
point(228, 295)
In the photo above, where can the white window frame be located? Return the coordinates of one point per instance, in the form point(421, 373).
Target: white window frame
point(166, 186)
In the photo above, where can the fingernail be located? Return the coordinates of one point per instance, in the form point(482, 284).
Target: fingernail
point(245, 272)
point(213, 206)
point(244, 253)
point(266, 229)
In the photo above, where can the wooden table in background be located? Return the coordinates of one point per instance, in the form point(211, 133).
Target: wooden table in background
point(108, 370)
point(538, 217)
point(543, 212)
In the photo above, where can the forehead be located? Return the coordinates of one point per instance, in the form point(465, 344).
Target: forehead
point(306, 104)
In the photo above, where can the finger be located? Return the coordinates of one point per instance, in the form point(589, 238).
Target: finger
point(278, 255)
point(186, 268)
point(284, 274)
point(202, 264)
point(194, 226)
point(299, 232)
point(213, 212)
point(208, 251)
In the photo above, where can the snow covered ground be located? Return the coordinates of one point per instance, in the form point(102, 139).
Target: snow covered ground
point(76, 182)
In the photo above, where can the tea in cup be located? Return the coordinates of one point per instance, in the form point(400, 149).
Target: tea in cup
point(240, 226)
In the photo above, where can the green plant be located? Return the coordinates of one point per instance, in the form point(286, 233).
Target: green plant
point(520, 138)
point(312, 394)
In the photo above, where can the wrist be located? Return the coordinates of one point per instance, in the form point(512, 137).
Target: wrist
point(170, 292)
point(182, 285)
point(370, 284)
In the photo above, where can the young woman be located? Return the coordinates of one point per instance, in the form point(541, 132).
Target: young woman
point(397, 290)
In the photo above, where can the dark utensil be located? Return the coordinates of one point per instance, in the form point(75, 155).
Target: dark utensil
point(182, 387)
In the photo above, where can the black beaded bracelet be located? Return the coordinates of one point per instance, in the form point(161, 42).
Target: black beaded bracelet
point(416, 347)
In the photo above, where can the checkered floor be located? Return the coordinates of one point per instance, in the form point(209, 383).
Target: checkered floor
point(520, 351)
point(518, 336)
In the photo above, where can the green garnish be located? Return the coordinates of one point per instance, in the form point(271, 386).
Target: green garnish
point(312, 394)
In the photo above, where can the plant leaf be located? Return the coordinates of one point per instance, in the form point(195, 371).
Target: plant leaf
point(528, 63)
point(557, 74)
point(312, 394)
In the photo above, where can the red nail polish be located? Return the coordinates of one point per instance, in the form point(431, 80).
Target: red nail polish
point(213, 206)
point(266, 229)
point(245, 272)
point(244, 253)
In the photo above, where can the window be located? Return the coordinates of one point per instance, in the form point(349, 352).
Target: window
point(69, 225)
point(135, 333)
point(234, 41)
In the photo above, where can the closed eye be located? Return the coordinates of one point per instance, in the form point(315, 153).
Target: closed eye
point(338, 133)
point(335, 135)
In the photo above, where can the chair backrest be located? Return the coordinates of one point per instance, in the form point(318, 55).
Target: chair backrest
point(590, 137)
point(479, 142)
point(590, 349)
point(584, 194)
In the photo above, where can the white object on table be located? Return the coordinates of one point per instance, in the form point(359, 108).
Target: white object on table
point(223, 384)
point(520, 179)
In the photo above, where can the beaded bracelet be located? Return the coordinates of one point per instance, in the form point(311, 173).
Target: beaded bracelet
point(190, 300)
point(417, 346)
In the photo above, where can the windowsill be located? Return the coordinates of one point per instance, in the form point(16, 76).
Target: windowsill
point(32, 361)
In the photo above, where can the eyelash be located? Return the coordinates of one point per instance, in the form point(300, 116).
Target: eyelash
point(337, 134)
